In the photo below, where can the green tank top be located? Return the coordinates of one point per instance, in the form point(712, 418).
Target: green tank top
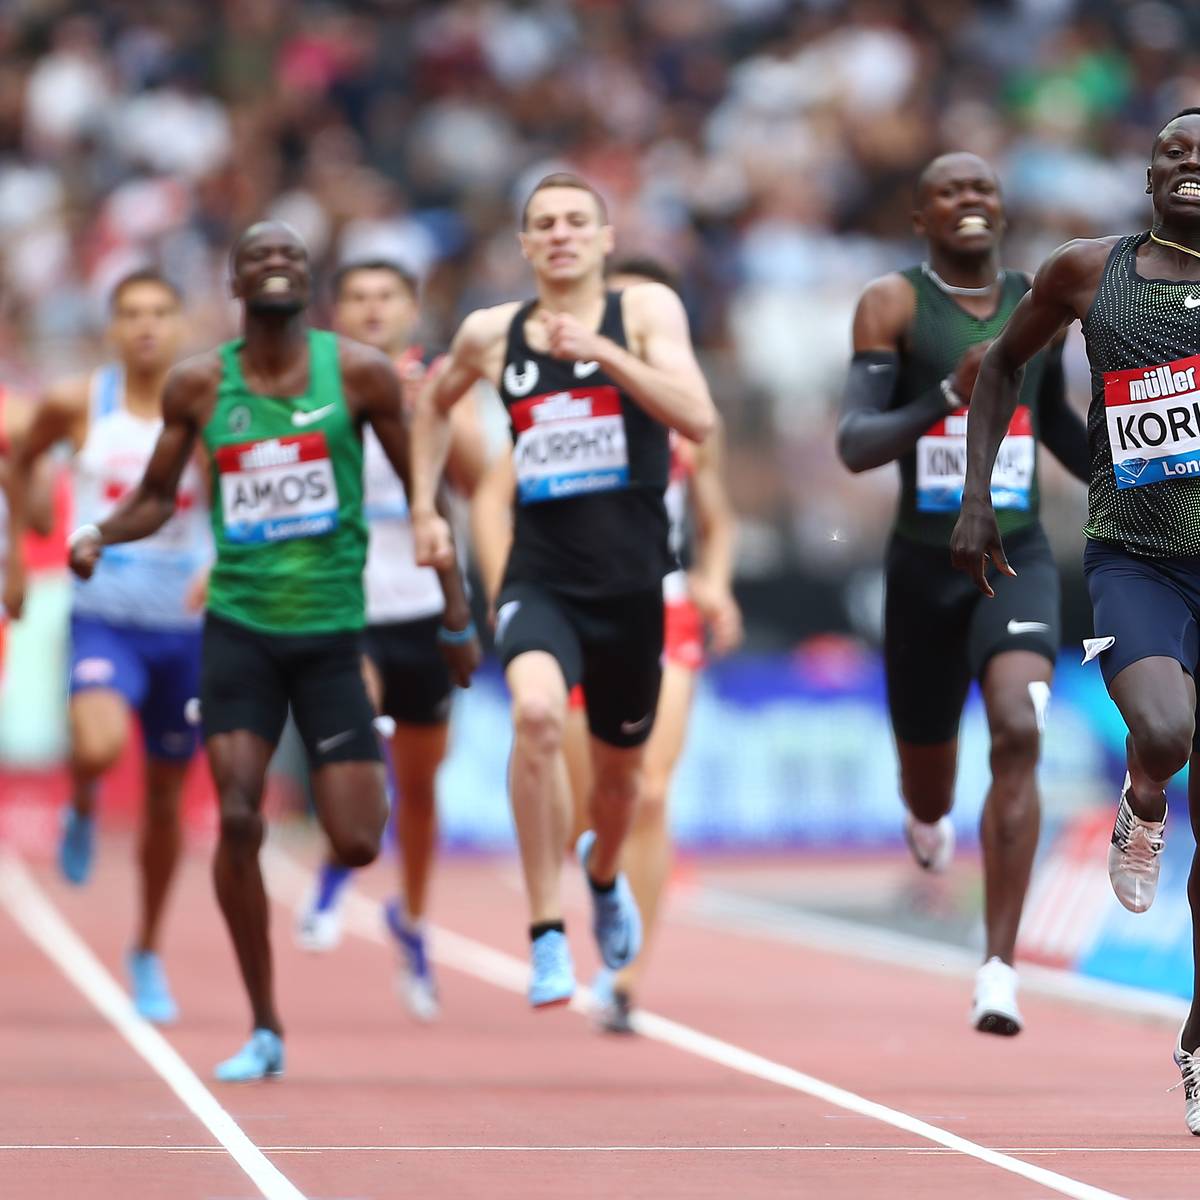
point(287, 501)
point(931, 474)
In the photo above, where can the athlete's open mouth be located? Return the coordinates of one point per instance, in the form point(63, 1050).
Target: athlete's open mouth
point(277, 283)
point(972, 223)
point(1189, 188)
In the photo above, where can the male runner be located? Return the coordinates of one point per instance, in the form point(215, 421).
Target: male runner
point(135, 627)
point(1135, 298)
point(376, 302)
point(694, 599)
point(919, 335)
point(279, 412)
point(592, 381)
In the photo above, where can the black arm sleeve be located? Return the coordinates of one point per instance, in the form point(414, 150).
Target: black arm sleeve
point(1062, 429)
point(869, 433)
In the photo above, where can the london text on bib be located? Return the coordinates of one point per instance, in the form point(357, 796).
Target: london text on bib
point(1153, 416)
point(569, 443)
point(278, 489)
point(942, 464)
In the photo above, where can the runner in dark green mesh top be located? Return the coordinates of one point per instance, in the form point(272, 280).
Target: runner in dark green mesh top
point(919, 336)
point(280, 413)
point(1136, 299)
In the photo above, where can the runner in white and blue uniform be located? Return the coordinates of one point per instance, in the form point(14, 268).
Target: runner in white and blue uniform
point(375, 301)
point(135, 626)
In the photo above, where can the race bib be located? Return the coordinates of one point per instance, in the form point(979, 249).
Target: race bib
point(569, 443)
point(278, 489)
point(942, 464)
point(1153, 418)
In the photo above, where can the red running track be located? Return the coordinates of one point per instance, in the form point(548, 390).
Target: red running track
point(497, 1101)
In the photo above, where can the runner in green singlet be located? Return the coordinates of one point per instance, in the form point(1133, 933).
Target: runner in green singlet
point(280, 414)
point(919, 336)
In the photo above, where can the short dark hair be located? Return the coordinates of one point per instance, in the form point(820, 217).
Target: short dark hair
point(406, 277)
point(142, 275)
point(647, 268)
point(565, 179)
point(1183, 112)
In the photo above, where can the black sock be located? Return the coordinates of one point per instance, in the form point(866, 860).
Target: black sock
point(538, 928)
point(601, 889)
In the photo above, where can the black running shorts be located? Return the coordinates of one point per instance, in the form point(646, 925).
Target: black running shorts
point(612, 645)
point(416, 681)
point(940, 632)
point(248, 679)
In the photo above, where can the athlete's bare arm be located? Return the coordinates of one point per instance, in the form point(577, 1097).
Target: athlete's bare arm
point(1062, 292)
point(188, 397)
point(871, 432)
point(659, 370)
point(373, 394)
point(711, 580)
point(492, 522)
point(477, 352)
point(62, 415)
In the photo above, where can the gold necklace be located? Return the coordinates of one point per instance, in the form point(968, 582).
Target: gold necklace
point(1174, 245)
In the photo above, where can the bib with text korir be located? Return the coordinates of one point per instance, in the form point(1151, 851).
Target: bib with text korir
point(1153, 418)
point(278, 489)
point(942, 464)
point(569, 443)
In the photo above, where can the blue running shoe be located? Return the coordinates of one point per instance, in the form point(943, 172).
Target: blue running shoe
point(77, 846)
point(552, 978)
point(616, 921)
point(260, 1058)
point(151, 992)
point(416, 984)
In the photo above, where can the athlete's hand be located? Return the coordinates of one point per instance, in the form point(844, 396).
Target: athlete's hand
point(570, 339)
point(412, 380)
point(967, 371)
point(433, 544)
point(976, 538)
point(460, 649)
point(720, 612)
point(196, 596)
point(14, 590)
point(84, 554)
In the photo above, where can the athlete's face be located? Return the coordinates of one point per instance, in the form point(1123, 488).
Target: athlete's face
point(146, 328)
point(375, 306)
point(564, 237)
point(1174, 175)
point(271, 272)
point(960, 207)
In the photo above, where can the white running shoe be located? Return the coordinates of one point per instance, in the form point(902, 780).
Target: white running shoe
point(1134, 857)
point(931, 845)
point(318, 930)
point(994, 1009)
point(1188, 1063)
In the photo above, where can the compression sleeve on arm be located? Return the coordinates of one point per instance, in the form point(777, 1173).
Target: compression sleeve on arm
point(869, 433)
point(1062, 429)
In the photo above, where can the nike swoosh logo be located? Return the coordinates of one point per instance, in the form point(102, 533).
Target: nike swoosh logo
point(636, 726)
point(1015, 627)
point(584, 369)
point(1191, 302)
point(331, 743)
point(874, 368)
point(308, 418)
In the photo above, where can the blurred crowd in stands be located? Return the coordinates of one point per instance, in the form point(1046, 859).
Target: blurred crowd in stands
point(765, 148)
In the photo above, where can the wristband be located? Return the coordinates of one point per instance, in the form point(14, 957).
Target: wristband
point(84, 531)
point(951, 397)
point(456, 637)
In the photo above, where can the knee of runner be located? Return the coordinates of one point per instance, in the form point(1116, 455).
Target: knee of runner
point(1015, 739)
point(1164, 745)
point(652, 800)
point(356, 848)
point(539, 722)
point(92, 755)
point(241, 828)
point(620, 787)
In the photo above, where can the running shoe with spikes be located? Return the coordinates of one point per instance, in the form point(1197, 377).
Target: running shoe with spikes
point(1188, 1063)
point(932, 845)
point(1135, 855)
point(415, 982)
point(994, 1009)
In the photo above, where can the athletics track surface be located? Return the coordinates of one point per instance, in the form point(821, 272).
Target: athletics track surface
point(733, 1092)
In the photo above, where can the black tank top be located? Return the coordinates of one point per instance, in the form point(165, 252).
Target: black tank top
point(1143, 344)
point(591, 469)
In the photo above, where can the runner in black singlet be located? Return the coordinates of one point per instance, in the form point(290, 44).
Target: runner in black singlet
point(1135, 298)
point(919, 335)
point(592, 380)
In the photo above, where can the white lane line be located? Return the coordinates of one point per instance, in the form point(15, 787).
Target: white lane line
point(42, 923)
point(289, 881)
point(680, 1149)
point(713, 908)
